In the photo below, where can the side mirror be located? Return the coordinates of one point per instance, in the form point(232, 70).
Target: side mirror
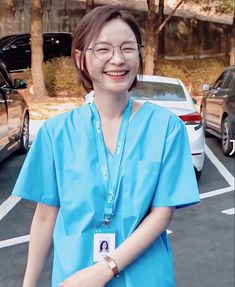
point(206, 87)
point(194, 101)
point(20, 84)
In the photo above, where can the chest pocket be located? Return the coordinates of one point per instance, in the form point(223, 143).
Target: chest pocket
point(138, 186)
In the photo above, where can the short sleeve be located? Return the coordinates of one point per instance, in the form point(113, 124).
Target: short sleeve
point(177, 184)
point(37, 178)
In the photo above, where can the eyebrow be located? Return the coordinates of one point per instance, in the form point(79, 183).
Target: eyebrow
point(125, 42)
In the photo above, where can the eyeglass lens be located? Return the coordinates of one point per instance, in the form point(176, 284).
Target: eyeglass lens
point(104, 51)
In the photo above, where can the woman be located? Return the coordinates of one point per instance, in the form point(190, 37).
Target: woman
point(113, 170)
point(104, 246)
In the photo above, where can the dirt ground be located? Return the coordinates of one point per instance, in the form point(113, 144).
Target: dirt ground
point(46, 107)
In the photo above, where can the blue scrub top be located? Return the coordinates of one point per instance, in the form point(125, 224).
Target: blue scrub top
point(62, 170)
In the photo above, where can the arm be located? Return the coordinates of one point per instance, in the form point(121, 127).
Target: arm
point(149, 229)
point(40, 242)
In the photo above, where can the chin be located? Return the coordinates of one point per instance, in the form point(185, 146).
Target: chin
point(119, 87)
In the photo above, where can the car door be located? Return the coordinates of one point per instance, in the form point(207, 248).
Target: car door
point(14, 108)
point(3, 118)
point(18, 53)
point(214, 101)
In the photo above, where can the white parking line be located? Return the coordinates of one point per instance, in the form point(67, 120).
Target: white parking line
point(215, 192)
point(221, 168)
point(230, 211)
point(7, 205)
point(14, 241)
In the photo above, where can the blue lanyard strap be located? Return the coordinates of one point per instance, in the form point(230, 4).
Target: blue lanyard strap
point(110, 177)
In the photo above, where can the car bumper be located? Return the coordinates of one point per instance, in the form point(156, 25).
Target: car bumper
point(197, 145)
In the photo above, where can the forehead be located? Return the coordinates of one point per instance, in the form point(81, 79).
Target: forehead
point(115, 32)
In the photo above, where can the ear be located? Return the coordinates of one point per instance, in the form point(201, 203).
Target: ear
point(77, 55)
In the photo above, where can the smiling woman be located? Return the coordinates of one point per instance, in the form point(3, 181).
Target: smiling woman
point(104, 175)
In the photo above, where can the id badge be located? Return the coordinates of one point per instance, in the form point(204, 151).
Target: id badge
point(103, 244)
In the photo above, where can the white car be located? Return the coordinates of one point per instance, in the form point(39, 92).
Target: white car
point(172, 94)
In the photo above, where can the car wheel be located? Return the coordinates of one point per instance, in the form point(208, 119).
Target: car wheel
point(24, 137)
point(225, 134)
point(202, 112)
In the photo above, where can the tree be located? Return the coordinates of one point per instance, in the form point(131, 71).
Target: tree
point(149, 41)
point(218, 7)
point(150, 34)
point(160, 49)
point(7, 13)
point(232, 42)
point(37, 50)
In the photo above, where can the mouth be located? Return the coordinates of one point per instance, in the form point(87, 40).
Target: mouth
point(116, 75)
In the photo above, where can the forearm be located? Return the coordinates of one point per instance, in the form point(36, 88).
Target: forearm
point(144, 235)
point(39, 244)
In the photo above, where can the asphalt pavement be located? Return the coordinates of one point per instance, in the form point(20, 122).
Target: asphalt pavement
point(202, 235)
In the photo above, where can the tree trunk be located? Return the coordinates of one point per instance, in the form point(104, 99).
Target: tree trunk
point(7, 12)
point(149, 41)
point(232, 43)
point(89, 5)
point(161, 37)
point(37, 49)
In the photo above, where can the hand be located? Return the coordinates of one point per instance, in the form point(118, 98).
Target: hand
point(94, 276)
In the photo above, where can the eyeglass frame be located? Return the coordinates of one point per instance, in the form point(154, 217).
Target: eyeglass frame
point(138, 45)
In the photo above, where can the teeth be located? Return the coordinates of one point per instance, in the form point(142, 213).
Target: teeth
point(116, 73)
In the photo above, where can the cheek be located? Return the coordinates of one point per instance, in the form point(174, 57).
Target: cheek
point(93, 67)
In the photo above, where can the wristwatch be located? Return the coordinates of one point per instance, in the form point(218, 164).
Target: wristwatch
point(112, 265)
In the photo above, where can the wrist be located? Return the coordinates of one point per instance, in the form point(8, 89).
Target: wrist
point(104, 269)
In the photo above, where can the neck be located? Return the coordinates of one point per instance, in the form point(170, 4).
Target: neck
point(110, 107)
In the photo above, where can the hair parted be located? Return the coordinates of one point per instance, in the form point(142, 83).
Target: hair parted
point(90, 27)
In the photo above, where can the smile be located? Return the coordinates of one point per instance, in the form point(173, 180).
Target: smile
point(116, 74)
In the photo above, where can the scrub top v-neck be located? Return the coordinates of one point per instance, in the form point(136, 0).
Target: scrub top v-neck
point(62, 170)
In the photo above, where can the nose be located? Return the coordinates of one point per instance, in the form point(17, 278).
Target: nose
point(117, 57)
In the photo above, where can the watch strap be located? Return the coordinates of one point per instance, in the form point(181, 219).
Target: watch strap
point(112, 265)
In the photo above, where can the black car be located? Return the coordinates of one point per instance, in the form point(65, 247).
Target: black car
point(218, 109)
point(14, 115)
point(15, 50)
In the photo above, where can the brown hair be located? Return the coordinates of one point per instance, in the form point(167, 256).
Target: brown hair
point(89, 27)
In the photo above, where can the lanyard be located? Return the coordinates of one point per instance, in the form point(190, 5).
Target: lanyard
point(110, 177)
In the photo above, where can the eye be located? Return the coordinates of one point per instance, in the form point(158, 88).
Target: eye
point(102, 50)
point(129, 48)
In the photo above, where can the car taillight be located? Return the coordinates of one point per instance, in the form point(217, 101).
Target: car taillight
point(192, 119)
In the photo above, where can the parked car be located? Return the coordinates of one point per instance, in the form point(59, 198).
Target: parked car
point(218, 109)
point(171, 93)
point(14, 115)
point(15, 50)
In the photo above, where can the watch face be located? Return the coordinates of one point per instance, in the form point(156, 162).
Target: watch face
point(112, 265)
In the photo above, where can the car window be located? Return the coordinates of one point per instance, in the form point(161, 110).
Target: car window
point(158, 92)
point(21, 41)
point(219, 83)
point(230, 80)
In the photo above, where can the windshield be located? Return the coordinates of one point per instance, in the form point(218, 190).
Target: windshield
point(158, 92)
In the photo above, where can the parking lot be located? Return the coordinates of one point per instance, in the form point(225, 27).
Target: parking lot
point(202, 235)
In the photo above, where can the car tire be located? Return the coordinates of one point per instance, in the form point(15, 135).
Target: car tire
point(24, 137)
point(227, 145)
point(203, 123)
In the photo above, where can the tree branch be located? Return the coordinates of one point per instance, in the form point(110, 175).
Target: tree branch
point(168, 17)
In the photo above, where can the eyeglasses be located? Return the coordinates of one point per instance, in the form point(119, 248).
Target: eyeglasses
point(104, 51)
